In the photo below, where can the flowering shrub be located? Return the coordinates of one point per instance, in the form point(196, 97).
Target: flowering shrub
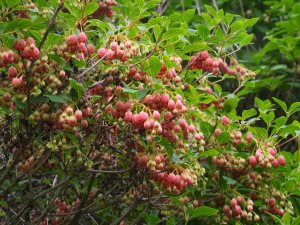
point(112, 114)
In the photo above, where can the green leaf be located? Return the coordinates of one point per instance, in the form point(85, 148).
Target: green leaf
point(250, 22)
point(282, 104)
point(58, 98)
point(17, 24)
point(194, 93)
point(154, 66)
point(8, 40)
point(152, 3)
point(211, 152)
point(169, 147)
point(3, 203)
point(53, 39)
point(203, 211)
point(281, 67)
point(229, 180)
point(246, 40)
point(77, 90)
point(11, 3)
point(206, 18)
point(75, 11)
point(39, 24)
point(290, 129)
point(188, 15)
point(129, 90)
point(169, 64)
point(154, 21)
point(140, 4)
point(297, 156)
point(90, 8)
point(296, 221)
point(286, 219)
point(271, 117)
point(248, 113)
point(295, 107)
point(173, 32)
point(278, 220)
point(259, 132)
point(263, 106)
point(211, 10)
point(224, 137)
point(152, 219)
point(237, 26)
point(194, 47)
point(20, 104)
point(157, 31)
point(206, 128)
point(142, 93)
point(203, 31)
point(228, 18)
point(70, 19)
point(279, 122)
point(231, 104)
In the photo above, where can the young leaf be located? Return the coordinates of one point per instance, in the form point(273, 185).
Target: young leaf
point(129, 90)
point(295, 107)
point(206, 128)
point(203, 211)
point(194, 47)
point(282, 104)
point(73, 9)
point(203, 31)
point(90, 8)
point(224, 137)
point(286, 219)
point(263, 106)
point(206, 18)
point(173, 32)
point(188, 15)
point(58, 98)
point(140, 4)
point(17, 24)
point(211, 10)
point(229, 180)
point(248, 113)
point(154, 66)
point(12, 3)
point(250, 22)
point(77, 90)
point(296, 221)
point(212, 152)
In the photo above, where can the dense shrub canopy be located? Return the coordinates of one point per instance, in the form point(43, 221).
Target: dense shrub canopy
point(122, 112)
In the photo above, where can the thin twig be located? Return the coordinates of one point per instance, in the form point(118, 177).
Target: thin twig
point(61, 5)
point(77, 215)
point(93, 219)
point(242, 8)
point(182, 5)
point(222, 25)
point(287, 141)
point(107, 171)
point(16, 214)
point(89, 69)
point(119, 220)
point(28, 72)
point(198, 7)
